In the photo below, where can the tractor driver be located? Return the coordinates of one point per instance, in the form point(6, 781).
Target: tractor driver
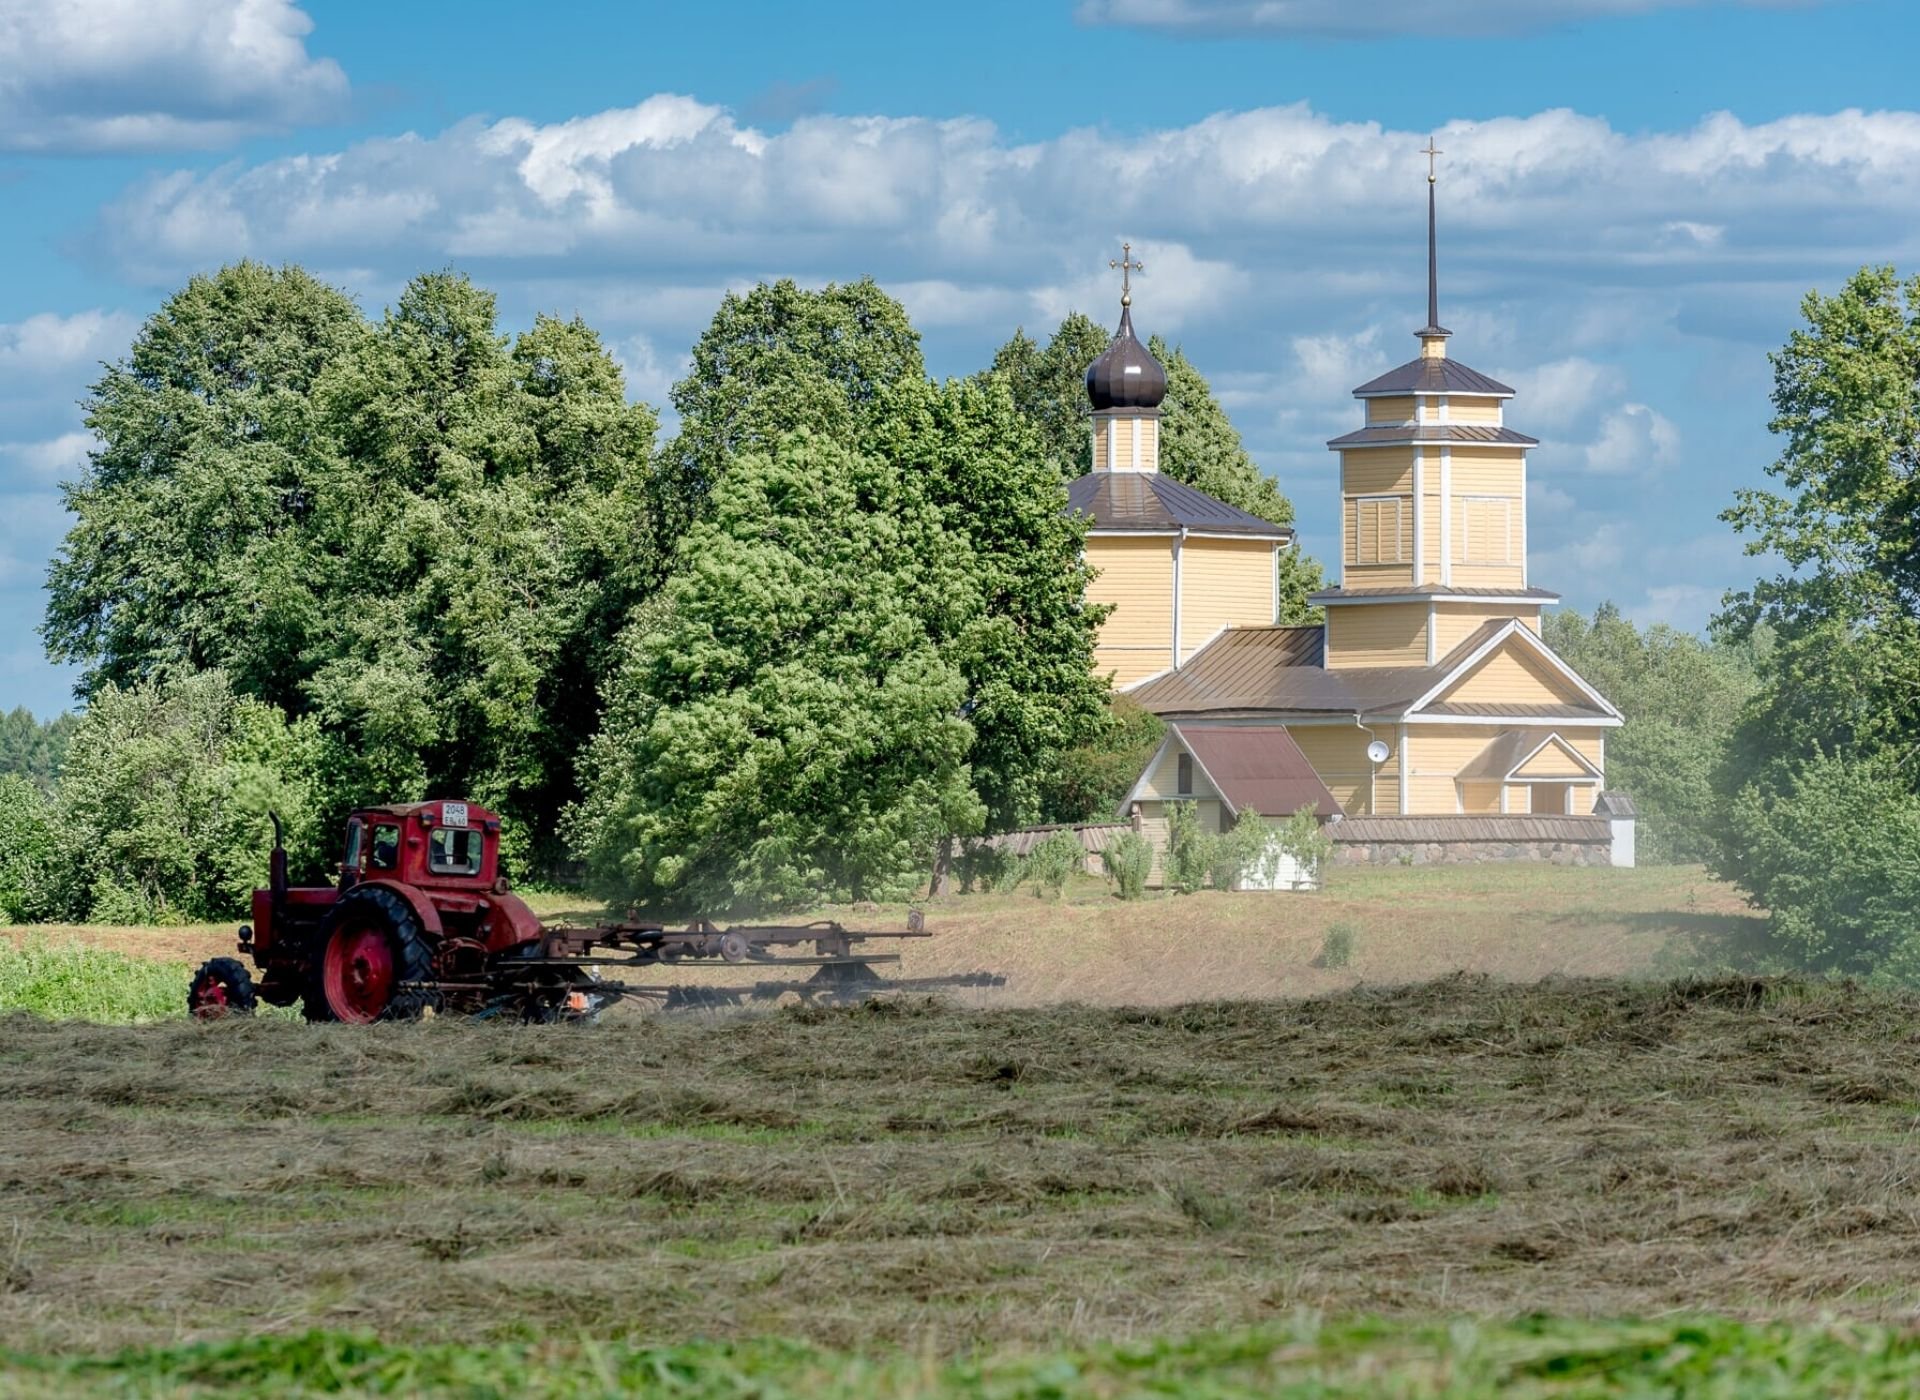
point(386, 846)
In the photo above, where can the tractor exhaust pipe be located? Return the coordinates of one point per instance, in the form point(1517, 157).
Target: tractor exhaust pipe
point(277, 865)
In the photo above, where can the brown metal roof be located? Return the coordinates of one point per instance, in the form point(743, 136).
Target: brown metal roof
point(1433, 590)
point(1259, 768)
point(1425, 376)
point(1154, 501)
point(1464, 828)
point(1435, 432)
point(1257, 669)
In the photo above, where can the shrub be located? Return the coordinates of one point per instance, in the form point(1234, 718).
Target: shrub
point(1303, 837)
point(1189, 849)
point(1336, 948)
point(983, 866)
point(1129, 861)
point(29, 854)
point(1240, 852)
point(1051, 861)
point(1833, 854)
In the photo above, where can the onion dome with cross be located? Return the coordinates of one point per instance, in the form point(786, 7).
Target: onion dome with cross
point(1126, 376)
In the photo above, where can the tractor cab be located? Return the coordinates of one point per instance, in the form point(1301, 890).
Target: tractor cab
point(430, 845)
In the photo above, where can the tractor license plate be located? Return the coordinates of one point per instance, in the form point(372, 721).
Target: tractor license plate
point(453, 814)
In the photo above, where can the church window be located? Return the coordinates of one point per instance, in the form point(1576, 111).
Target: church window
point(1183, 782)
point(1485, 535)
point(1377, 526)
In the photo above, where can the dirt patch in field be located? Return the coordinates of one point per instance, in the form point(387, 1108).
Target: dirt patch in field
point(941, 1178)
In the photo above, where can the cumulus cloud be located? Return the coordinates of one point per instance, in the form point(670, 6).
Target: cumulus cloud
point(1560, 394)
point(143, 75)
point(50, 343)
point(1342, 19)
point(55, 459)
point(1634, 439)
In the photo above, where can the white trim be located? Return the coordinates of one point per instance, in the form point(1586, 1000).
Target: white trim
point(1544, 782)
point(1488, 647)
point(1400, 743)
point(1178, 540)
point(1099, 532)
point(1203, 718)
point(1523, 520)
point(1274, 579)
point(1110, 439)
point(1445, 414)
point(1433, 627)
point(1508, 721)
point(1336, 445)
point(1495, 600)
point(1132, 471)
point(1446, 515)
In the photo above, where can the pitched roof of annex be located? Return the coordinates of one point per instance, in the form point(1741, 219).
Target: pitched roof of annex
point(1155, 503)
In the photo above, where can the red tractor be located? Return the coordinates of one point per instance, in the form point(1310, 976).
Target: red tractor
point(422, 920)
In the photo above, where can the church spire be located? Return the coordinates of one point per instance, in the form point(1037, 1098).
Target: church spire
point(1433, 337)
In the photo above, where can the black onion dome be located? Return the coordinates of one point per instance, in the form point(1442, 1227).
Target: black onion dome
point(1126, 375)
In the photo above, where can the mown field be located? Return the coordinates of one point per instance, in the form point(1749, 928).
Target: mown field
point(1327, 1185)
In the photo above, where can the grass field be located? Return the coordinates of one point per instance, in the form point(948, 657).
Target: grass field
point(1341, 1182)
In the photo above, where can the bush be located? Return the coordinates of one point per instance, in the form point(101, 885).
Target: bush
point(1336, 948)
point(1303, 837)
point(1832, 852)
point(1051, 861)
point(29, 854)
point(1128, 859)
point(73, 981)
point(1190, 851)
point(983, 866)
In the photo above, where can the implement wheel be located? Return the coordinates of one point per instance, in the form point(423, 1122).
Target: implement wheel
point(222, 987)
point(373, 943)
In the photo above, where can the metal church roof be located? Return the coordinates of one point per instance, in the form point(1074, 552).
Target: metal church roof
point(1152, 501)
point(1433, 376)
point(1259, 768)
point(1434, 432)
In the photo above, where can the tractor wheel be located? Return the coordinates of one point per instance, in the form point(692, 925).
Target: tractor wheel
point(222, 987)
point(373, 945)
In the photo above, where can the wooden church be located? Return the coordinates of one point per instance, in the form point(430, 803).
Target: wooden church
point(1427, 695)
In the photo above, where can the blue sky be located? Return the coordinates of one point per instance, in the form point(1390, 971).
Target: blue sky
point(1635, 195)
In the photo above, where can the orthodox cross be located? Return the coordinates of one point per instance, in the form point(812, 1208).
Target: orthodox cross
point(1430, 152)
point(1125, 262)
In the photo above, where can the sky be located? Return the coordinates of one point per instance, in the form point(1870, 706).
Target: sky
point(1635, 195)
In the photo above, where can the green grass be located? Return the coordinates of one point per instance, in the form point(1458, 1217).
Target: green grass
point(1529, 1358)
point(71, 981)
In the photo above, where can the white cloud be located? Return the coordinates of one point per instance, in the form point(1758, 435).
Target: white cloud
point(1633, 439)
point(1544, 499)
point(1332, 366)
point(56, 459)
point(1344, 19)
point(1561, 393)
point(51, 344)
point(117, 75)
point(1687, 606)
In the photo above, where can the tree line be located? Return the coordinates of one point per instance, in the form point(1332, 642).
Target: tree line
point(320, 559)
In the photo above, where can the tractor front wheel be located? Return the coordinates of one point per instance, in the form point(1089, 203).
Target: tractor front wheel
point(373, 947)
point(222, 987)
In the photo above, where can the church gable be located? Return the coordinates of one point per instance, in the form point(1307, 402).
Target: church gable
point(1512, 672)
point(1555, 759)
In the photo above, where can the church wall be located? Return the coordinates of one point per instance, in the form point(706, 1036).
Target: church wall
point(1377, 634)
point(1135, 572)
point(1390, 412)
point(1489, 576)
point(1223, 583)
point(1465, 410)
point(1338, 754)
point(1127, 430)
point(1511, 677)
point(1377, 471)
point(1479, 472)
point(1550, 762)
point(1519, 799)
point(1377, 559)
point(1435, 756)
point(1453, 623)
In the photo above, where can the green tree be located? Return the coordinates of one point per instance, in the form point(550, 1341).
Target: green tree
point(161, 813)
point(32, 750)
point(778, 359)
point(187, 551)
point(1682, 698)
point(1032, 694)
point(29, 853)
point(1049, 388)
point(1093, 776)
point(787, 725)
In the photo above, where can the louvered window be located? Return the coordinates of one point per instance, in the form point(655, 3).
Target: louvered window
point(1485, 526)
point(1377, 523)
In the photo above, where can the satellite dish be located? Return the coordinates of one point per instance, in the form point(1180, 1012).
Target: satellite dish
point(1377, 752)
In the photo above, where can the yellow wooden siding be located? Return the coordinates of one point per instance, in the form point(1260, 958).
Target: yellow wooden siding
point(1135, 573)
point(1453, 623)
point(1377, 471)
point(1516, 677)
point(1150, 444)
point(1435, 756)
point(1393, 411)
point(1377, 634)
point(1163, 780)
point(1485, 472)
point(1338, 754)
point(1099, 430)
point(1223, 583)
point(1486, 530)
point(1461, 409)
point(1477, 798)
point(1488, 576)
point(1551, 762)
point(1519, 799)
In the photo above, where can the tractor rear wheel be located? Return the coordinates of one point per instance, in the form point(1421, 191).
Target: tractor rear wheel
point(222, 987)
point(373, 946)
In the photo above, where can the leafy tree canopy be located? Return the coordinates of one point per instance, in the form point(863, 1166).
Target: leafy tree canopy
point(31, 749)
point(1681, 698)
point(789, 724)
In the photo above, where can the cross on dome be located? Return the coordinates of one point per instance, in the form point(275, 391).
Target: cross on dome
point(1128, 265)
